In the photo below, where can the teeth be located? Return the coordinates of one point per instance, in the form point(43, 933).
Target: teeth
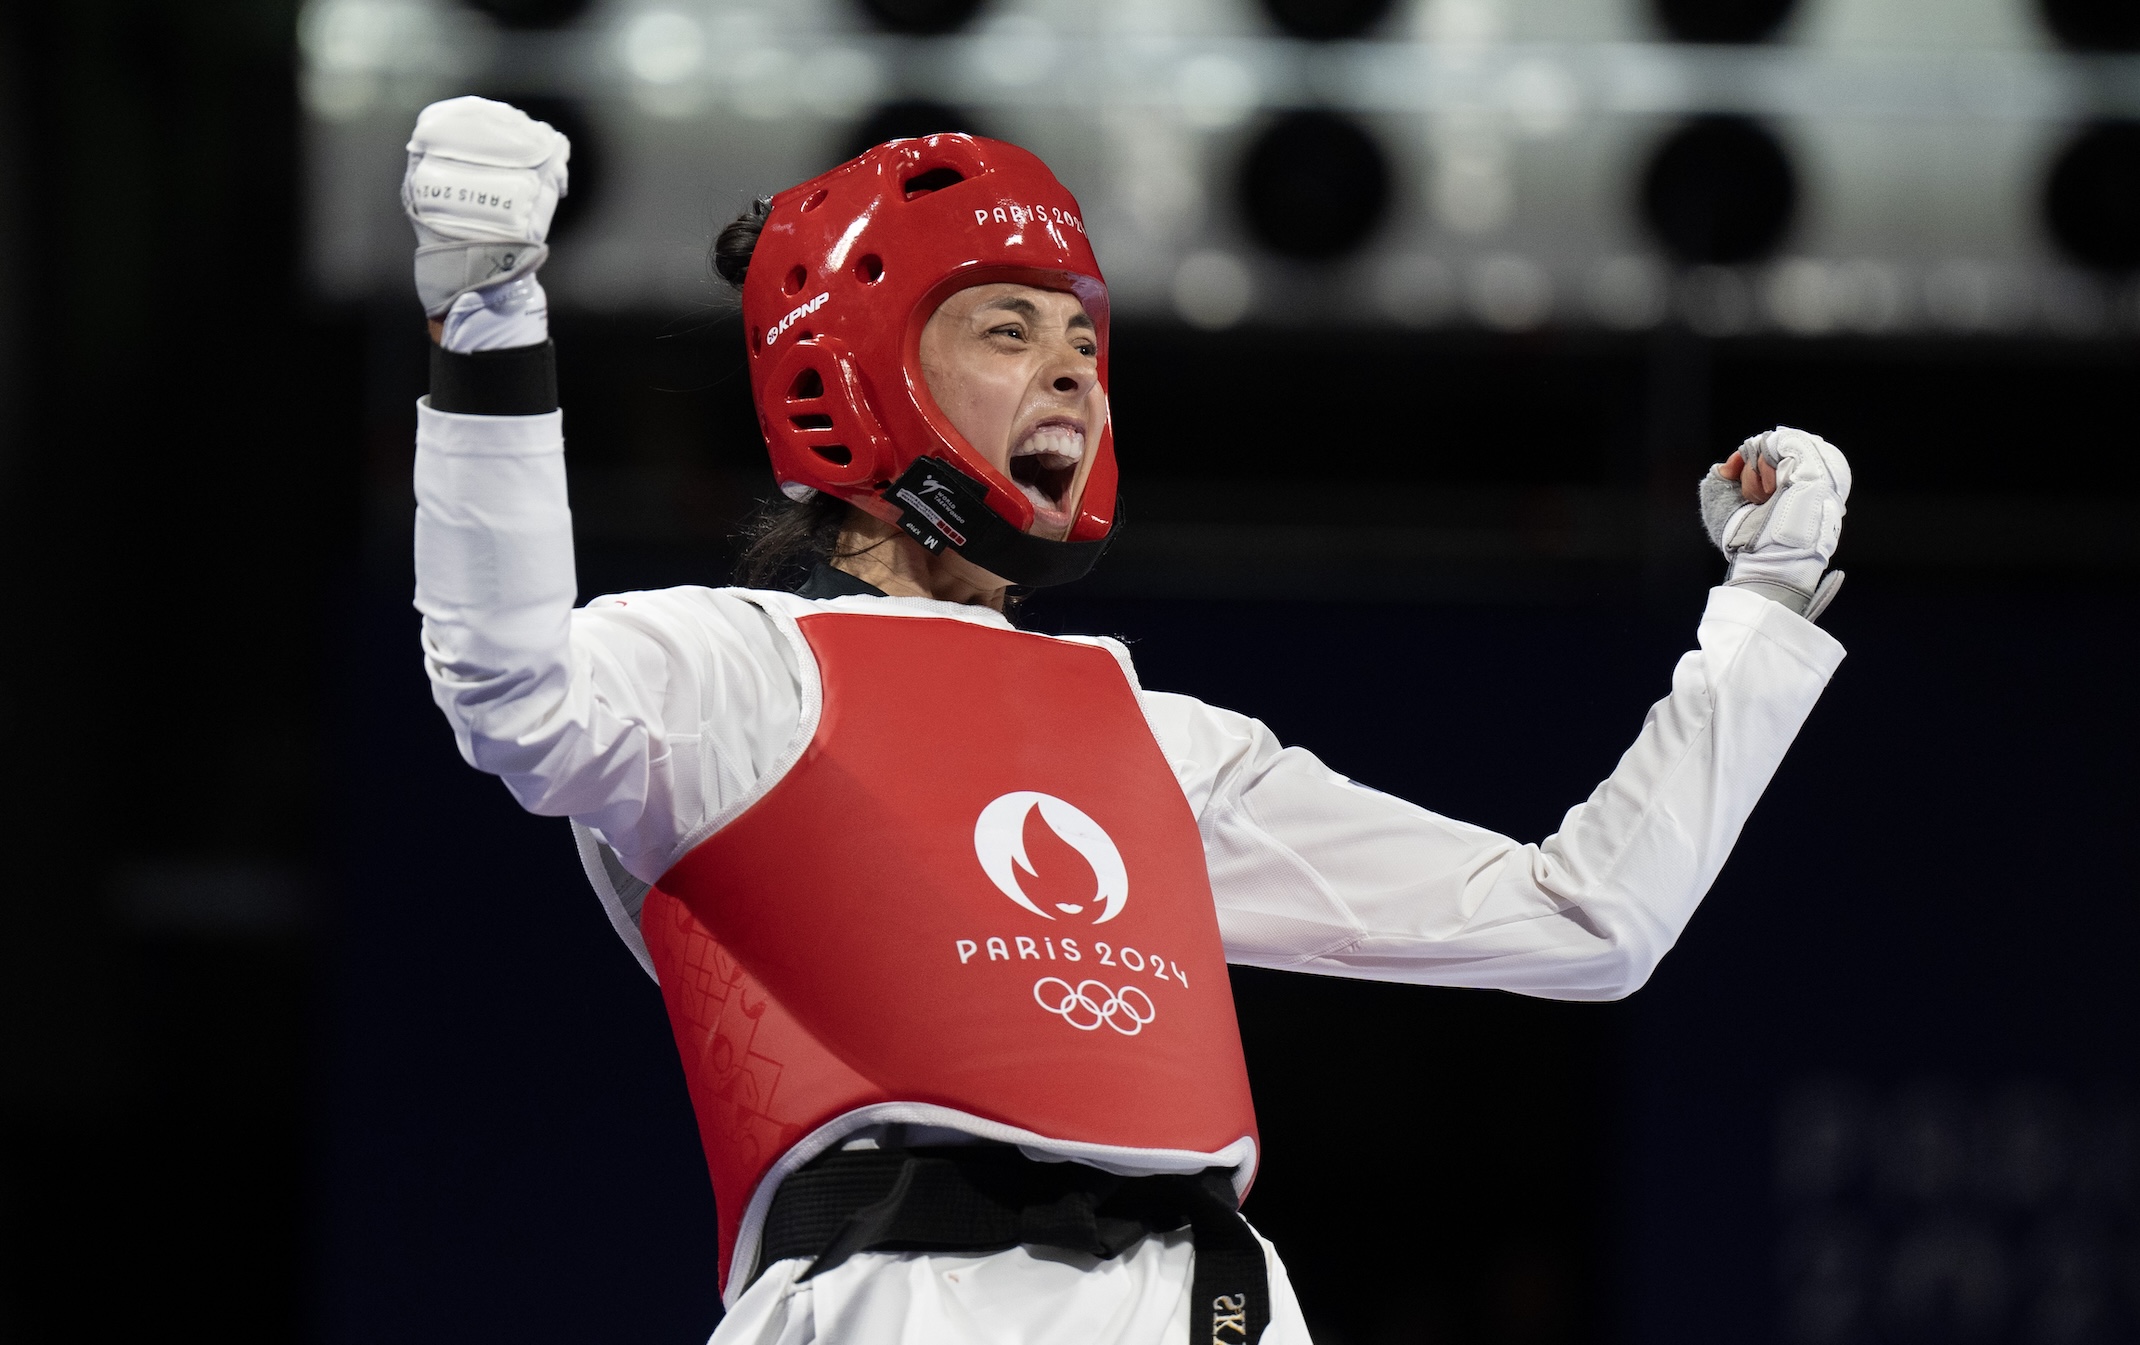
point(1060, 440)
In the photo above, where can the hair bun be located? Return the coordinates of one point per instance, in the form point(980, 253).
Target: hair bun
point(732, 247)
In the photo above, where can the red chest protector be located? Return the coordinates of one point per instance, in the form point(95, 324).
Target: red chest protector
point(980, 889)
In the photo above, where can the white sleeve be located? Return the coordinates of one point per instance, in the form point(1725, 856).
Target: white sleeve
point(1315, 873)
point(642, 716)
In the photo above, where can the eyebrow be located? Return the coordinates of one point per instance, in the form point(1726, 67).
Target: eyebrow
point(1030, 311)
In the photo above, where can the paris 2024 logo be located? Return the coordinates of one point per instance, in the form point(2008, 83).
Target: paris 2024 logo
point(1087, 1004)
point(999, 841)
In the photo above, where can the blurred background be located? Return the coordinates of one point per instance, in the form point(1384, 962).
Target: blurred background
point(1429, 312)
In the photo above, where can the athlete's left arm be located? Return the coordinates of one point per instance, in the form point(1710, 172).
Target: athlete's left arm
point(1316, 873)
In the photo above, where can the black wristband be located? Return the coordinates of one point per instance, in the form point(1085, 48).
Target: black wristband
point(517, 382)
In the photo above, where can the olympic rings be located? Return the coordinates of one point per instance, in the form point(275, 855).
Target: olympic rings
point(1112, 1007)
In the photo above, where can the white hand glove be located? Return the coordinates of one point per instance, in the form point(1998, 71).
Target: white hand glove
point(482, 185)
point(1781, 548)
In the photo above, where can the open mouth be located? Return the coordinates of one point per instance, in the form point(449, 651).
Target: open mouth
point(1044, 464)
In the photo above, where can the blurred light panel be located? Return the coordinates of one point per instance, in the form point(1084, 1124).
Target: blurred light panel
point(1885, 165)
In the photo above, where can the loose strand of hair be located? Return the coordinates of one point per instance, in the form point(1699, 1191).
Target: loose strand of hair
point(784, 539)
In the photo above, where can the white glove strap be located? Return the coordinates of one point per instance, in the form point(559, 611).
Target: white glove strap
point(1807, 605)
point(446, 271)
point(497, 317)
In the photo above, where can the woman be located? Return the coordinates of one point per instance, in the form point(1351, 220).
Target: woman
point(948, 1092)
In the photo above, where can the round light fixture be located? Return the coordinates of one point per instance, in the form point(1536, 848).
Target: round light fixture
point(2092, 199)
point(1722, 20)
point(1720, 191)
point(1314, 186)
point(531, 13)
point(1326, 20)
point(2094, 25)
point(922, 18)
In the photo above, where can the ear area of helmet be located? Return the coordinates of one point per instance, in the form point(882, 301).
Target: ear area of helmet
point(818, 423)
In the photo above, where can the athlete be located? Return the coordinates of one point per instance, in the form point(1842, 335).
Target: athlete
point(946, 1094)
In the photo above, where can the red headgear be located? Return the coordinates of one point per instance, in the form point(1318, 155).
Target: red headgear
point(847, 271)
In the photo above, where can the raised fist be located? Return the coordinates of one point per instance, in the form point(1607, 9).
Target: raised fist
point(482, 184)
point(1779, 518)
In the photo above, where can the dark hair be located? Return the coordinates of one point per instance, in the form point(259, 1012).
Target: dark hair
point(784, 539)
point(733, 245)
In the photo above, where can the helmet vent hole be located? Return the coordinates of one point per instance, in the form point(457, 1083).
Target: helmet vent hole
point(870, 269)
point(796, 279)
point(936, 179)
point(817, 198)
point(816, 422)
point(806, 387)
point(836, 454)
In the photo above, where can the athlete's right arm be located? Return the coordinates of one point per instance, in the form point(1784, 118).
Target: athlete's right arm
point(643, 715)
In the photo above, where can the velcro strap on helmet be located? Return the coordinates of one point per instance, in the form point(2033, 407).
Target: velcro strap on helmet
point(941, 506)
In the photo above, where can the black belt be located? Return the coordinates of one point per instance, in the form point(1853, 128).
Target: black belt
point(981, 1198)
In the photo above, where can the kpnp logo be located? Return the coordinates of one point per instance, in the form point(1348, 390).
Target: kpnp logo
point(797, 314)
point(999, 841)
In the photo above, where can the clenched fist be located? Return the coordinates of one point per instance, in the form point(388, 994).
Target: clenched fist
point(482, 184)
point(1775, 509)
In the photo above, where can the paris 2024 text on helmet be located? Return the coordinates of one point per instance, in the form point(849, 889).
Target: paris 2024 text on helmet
point(847, 271)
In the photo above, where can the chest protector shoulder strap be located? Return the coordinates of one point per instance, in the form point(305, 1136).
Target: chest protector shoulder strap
point(980, 889)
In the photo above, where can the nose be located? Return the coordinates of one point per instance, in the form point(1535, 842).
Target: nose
point(1069, 372)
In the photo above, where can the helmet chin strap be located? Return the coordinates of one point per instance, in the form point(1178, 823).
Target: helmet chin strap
point(940, 506)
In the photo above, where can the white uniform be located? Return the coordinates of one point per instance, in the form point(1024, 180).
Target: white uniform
point(651, 718)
